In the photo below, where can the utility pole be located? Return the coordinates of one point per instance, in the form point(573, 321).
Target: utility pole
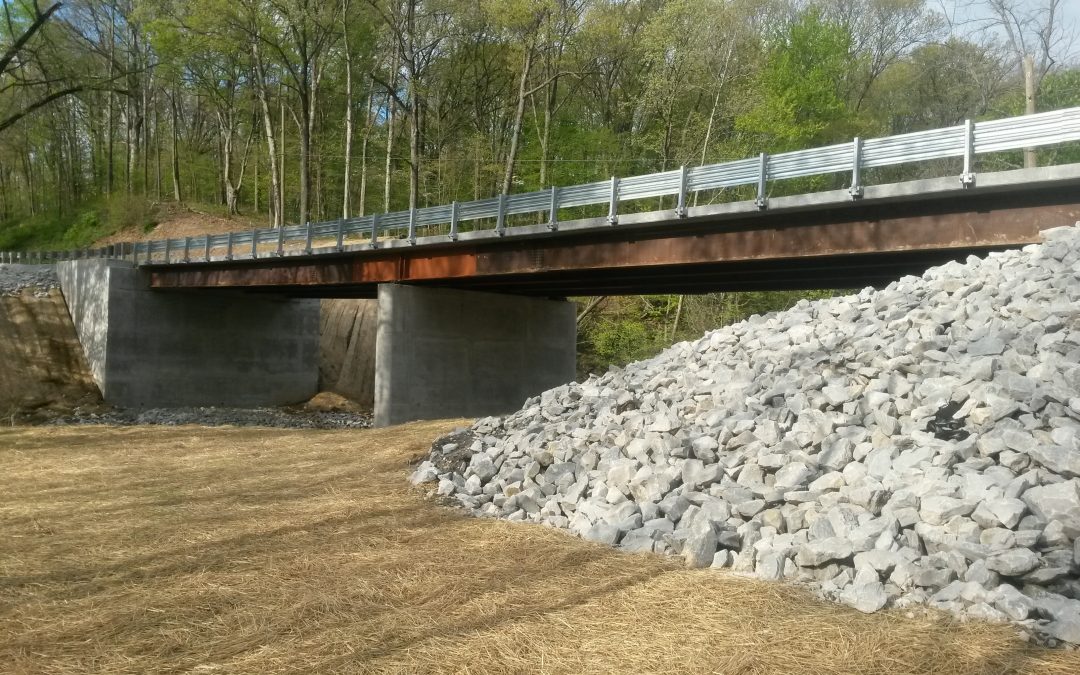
point(1029, 104)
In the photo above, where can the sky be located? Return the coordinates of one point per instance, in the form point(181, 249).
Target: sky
point(970, 14)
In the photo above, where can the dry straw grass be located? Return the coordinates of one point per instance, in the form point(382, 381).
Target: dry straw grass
point(236, 550)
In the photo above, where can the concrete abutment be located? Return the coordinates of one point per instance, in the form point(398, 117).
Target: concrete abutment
point(443, 353)
point(152, 349)
point(438, 353)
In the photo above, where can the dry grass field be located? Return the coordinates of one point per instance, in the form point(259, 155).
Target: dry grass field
point(141, 550)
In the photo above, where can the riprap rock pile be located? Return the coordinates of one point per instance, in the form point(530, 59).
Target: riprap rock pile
point(918, 444)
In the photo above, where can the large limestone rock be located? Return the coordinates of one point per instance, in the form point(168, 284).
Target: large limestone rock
point(914, 444)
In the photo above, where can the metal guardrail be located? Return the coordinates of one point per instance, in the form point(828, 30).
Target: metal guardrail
point(966, 140)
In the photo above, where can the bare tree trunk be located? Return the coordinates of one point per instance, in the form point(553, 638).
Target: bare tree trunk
point(346, 188)
point(675, 323)
point(146, 134)
point(157, 150)
point(175, 151)
point(369, 118)
point(225, 120)
point(127, 137)
point(414, 108)
point(519, 115)
point(243, 166)
point(414, 150)
point(708, 136)
point(305, 150)
point(308, 110)
point(281, 213)
point(390, 133)
point(274, 202)
point(112, 107)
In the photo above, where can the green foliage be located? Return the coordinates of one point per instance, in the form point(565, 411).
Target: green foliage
point(634, 328)
point(78, 229)
point(619, 341)
point(801, 86)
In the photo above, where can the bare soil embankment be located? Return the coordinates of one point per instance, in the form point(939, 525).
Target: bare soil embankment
point(150, 549)
point(43, 372)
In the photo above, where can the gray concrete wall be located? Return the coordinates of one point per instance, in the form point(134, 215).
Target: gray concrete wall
point(446, 353)
point(155, 349)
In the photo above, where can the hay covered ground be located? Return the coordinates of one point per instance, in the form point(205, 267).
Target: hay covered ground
point(133, 550)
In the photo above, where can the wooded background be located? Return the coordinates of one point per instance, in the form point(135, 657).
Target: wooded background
point(286, 111)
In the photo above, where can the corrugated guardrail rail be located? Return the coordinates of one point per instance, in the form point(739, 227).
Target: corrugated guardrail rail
point(966, 140)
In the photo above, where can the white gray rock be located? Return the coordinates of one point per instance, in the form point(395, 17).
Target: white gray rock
point(910, 445)
point(1014, 562)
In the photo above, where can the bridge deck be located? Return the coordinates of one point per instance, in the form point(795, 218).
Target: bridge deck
point(823, 240)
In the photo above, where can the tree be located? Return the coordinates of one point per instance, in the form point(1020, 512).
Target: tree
point(802, 85)
point(22, 70)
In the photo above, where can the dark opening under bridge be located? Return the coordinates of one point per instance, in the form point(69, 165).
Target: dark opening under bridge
point(227, 319)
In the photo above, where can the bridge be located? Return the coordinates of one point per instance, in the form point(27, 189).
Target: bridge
point(471, 312)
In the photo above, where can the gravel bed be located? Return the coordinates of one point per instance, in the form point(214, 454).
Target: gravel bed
point(280, 418)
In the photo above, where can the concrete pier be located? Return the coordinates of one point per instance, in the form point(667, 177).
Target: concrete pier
point(444, 353)
point(152, 349)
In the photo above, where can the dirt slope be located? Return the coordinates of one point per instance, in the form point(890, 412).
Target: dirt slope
point(176, 221)
point(42, 367)
point(347, 349)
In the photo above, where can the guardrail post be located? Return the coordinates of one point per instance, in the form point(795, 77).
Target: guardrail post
point(281, 241)
point(412, 225)
point(255, 244)
point(680, 206)
point(553, 209)
point(307, 239)
point(228, 246)
point(500, 219)
point(856, 190)
point(187, 249)
point(762, 200)
point(340, 245)
point(374, 243)
point(135, 254)
point(967, 179)
point(453, 220)
point(613, 203)
point(168, 246)
point(206, 253)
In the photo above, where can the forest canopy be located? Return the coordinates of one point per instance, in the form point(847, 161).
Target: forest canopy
point(290, 111)
point(311, 109)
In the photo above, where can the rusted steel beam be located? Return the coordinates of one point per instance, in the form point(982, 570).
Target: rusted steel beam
point(652, 258)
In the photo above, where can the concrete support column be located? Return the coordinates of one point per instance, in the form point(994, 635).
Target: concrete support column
point(208, 348)
point(443, 353)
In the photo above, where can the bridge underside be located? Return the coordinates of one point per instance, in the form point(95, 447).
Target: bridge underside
point(836, 246)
